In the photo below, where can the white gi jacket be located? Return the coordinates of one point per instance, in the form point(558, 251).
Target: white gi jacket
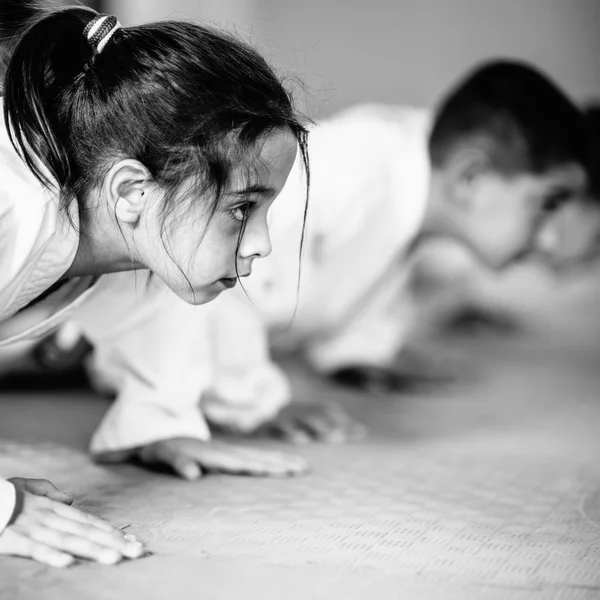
point(369, 188)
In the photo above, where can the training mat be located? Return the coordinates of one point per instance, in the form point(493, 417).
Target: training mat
point(489, 490)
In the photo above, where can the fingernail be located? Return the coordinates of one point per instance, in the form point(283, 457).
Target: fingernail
point(191, 472)
point(109, 557)
point(134, 550)
point(131, 538)
point(63, 561)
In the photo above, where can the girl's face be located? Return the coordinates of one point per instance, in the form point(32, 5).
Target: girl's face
point(198, 256)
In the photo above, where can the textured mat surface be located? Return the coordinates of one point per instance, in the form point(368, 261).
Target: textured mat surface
point(486, 490)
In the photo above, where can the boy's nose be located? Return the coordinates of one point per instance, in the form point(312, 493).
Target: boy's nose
point(549, 239)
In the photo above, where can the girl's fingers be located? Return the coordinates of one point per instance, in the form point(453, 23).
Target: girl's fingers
point(189, 458)
point(50, 556)
point(79, 516)
point(17, 544)
point(169, 453)
point(186, 468)
point(248, 461)
point(73, 545)
point(104, 539)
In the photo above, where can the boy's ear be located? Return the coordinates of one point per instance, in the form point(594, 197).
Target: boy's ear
point(464, 170)
point(128, 185)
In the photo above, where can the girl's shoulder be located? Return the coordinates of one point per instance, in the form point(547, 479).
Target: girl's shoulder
point(37, 243)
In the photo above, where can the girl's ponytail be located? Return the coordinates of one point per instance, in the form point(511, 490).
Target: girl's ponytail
point(49, 56)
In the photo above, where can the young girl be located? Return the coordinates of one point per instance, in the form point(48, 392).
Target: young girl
point(156, 148)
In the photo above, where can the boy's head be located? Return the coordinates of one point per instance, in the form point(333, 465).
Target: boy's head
point(573, 235)
point(509, 148)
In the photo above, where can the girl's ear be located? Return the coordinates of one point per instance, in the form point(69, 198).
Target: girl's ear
point(127, 185)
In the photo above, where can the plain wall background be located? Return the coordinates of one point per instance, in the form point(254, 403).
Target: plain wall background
point(400, 51)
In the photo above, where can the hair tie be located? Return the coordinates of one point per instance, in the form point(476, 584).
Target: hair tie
point(99, 31)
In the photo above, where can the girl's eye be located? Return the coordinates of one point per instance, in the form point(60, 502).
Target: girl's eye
point(240, 213)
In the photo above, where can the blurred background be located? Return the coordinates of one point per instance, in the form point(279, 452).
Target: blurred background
point(399, 51)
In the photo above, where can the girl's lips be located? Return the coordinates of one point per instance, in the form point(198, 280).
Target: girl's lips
point(228, 282)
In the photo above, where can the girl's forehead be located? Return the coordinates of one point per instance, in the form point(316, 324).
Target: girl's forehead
point(273, 155)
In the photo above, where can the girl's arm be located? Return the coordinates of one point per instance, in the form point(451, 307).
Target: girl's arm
point(158, 352)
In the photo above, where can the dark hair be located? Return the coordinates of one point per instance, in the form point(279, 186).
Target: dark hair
point(528, 123)
point(185, 100)
point(15, 16)
point(591, 117)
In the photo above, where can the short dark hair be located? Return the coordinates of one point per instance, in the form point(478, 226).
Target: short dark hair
point(529, 123)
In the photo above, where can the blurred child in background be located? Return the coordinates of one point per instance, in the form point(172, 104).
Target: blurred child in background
point(459, 296)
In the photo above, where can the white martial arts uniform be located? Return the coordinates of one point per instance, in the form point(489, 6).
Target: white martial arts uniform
point(369, 188)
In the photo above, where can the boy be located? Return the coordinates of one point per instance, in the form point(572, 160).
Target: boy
point(467, 297)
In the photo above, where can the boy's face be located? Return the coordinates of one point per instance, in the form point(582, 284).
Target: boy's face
point(506, 217)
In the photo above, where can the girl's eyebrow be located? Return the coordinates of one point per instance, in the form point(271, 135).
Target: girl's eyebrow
point(257, 188)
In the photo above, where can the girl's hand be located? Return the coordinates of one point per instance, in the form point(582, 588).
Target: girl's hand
point(191, 459)
point(49, 531)
point(302, 423)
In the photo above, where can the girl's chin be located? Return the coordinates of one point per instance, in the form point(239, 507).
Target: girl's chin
point(201, 295)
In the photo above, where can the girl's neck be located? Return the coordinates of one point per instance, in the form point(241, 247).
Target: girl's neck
point(102, 249)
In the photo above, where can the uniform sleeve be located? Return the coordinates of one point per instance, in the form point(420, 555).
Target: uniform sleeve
point(37, 240)
point(151, 348)
point(248, 389)
point(174, 365)
point(7, 503)
point(27, 225)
